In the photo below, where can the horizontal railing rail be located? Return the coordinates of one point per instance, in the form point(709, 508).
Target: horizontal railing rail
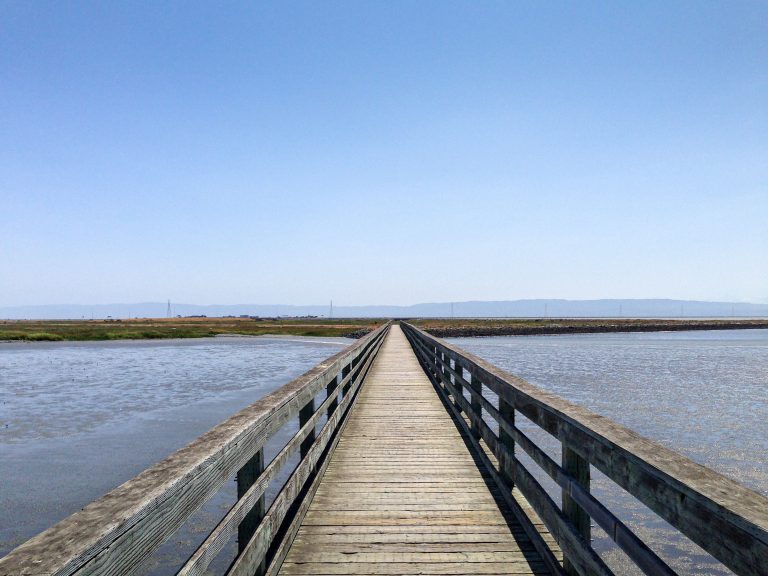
point(115, 534)
point(726, 519)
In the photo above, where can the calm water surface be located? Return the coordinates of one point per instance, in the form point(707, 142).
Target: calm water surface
point(702, 394)
point(78, 419)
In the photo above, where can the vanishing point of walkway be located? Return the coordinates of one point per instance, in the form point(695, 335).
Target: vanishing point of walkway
point(402, 493)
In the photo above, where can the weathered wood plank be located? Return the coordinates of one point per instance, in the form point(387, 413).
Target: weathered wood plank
point(310, 554)
point(404, 568)
point(401, 480)
point(306, 549)
point(416, 529)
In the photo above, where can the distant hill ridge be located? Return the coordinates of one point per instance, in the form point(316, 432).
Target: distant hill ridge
point(606, 308)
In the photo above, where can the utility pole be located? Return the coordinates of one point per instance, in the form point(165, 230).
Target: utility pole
point(168, 309)
point(330, 313)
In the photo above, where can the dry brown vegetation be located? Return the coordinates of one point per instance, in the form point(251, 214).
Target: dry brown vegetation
point(510, 326)
point(150, 328)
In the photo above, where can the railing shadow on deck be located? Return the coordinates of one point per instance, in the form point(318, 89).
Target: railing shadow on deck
point(508, 506)
point(118, 532)
point(723, 517)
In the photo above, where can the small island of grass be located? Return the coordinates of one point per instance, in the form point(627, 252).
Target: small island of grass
point(155, 328)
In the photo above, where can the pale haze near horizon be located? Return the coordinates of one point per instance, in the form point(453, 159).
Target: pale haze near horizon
point(382, 153)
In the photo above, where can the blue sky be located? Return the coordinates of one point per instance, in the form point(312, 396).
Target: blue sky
point(382, 152)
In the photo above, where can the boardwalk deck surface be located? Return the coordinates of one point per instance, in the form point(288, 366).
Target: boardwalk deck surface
point(402, 493)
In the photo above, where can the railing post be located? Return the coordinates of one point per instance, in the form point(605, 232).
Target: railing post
point(344, 373)
point(507, 412)
point(246, 476)
point(477, 407)
point(578, 468)
point(457, 385)
point(446, 375)
point(330, 390)
point(305, 414)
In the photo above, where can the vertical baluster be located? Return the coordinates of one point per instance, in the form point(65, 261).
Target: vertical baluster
point(428, 357)
point(332, 390)
point(246, 476)
point(507, 412)
point(439, 367)
point(457, 384)
point(344, 373)
point(578, 468)
point(305, 414)
point(477, 407)
point(446, 363)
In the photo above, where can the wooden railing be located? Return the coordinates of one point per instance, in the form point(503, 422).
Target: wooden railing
point(723, 517)
point(116, 533)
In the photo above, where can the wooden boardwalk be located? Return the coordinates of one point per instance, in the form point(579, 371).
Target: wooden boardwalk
point(402, 494)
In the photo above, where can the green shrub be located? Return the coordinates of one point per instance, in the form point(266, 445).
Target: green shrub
point(43, 337)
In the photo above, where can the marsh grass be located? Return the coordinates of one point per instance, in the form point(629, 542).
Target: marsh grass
point(42, 337)
point(456, 327)
point(156, 328)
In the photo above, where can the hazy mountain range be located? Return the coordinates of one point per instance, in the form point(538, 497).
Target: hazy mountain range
point(650, 308)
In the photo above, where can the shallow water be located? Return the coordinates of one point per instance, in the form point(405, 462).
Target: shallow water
point(78, 419)
point(702, 394)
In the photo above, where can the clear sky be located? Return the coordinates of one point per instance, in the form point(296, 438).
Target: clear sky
point(382, 152)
